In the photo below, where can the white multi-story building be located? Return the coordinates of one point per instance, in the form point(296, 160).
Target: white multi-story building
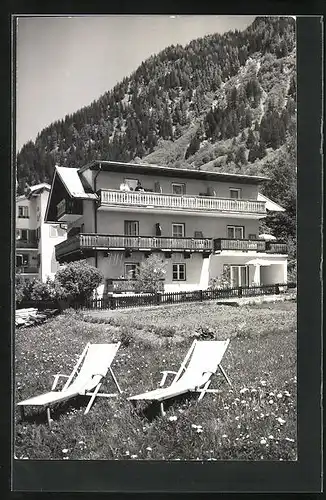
point(35, 240)
point(201, 223)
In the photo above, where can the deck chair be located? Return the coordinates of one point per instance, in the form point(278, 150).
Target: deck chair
point(194, 375)
point(85, 379)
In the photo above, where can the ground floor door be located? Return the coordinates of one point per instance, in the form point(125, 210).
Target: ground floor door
point(239, 276)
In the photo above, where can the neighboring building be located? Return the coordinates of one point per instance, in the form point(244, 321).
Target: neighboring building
point(35, 240)
point(201, 223)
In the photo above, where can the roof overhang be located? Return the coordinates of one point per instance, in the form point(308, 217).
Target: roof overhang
point(270, 205)
point(142, 168)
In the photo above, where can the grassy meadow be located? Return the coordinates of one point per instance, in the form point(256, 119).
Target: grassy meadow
point(255, 420)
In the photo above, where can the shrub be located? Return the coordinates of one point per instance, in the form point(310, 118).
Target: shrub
point(78, 279)
point(19, 288)
point(220, 282)
point(149, 275)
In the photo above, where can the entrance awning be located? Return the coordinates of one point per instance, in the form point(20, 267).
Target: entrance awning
point(262, 262)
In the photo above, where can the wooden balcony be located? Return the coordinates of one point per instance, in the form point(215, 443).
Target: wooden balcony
point(246, 245)
point(69, 210)
point(27, 270)
point(85, 242)
point(274, 247)
point(241, 245)
point(113, 199)
point(27, 244)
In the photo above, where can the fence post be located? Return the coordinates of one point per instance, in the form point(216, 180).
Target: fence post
point(277, 289)
point(201, 295)
point(158, 297)
point(240, 291)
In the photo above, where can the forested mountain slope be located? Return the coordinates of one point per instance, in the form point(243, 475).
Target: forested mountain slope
point(223, 102)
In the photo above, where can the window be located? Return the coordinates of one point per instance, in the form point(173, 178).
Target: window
point(198, 234)
point(179, 272)
point(132, 183)
point(178, 230)
point(252, 236)
point(235, 193)
point(22, 234)
point(236, 232)
point(131, 228)
point(22, 260)
point(178, 188)
point(130, 270)
point(239, 276)
point(23, 212)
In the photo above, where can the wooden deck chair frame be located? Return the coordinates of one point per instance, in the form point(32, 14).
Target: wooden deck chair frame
point(202, 391)
point(182, 368)
point(93, 394)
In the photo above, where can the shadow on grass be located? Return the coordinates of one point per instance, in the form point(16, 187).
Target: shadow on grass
point(40, 417)
point(151, 410)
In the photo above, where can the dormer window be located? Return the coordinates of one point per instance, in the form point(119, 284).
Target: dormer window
point(235, 193)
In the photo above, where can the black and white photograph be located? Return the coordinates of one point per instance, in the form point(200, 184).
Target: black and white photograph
point(155, 238)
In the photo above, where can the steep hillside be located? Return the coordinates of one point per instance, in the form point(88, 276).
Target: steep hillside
point(189, 105)
point(223, 102)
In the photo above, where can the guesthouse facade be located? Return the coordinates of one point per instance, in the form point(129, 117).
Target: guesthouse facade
point(201, 224)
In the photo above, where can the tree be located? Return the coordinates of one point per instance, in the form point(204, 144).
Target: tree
point(150, 274)
point(79, 279)
point(251, 141)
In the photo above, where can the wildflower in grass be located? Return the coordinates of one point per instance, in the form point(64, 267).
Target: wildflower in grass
point(149, 448)
point(289, 439)
point(279, 395)
point(271, 401)
point(199, 430)
point(65, 450)
point(133, 456)
point(226, 407)
point(173, 418)
point(263, 383)
point(280, 420)
point(127, 452)
point(270, 436)
point(243, 390)
point(224, 436)
point(65, 458)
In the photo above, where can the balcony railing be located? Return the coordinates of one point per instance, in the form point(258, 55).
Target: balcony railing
point(27, 269)
point(26, 244)
point(69, 210)
point(106, 242)
point(274, 247)
point(249, 245)
point(242, 245)
point(111, 198)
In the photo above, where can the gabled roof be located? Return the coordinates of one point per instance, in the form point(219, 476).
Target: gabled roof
point(69, 179)
point(270, 205)
point(72, 183)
